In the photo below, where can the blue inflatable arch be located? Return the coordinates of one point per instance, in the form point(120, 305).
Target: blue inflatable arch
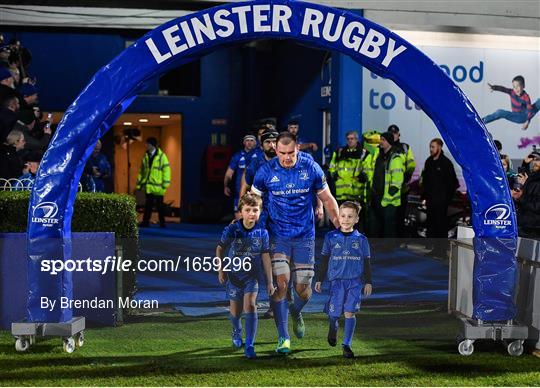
point(182, 40)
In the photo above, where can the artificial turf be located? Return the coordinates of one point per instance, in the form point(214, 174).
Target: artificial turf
point(394, 346)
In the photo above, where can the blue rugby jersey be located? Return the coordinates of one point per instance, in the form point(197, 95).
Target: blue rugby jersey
point(252, 169)
point(349, 255)
point(257, 162)
point(291, 194)
point(257, 153)
point(238, 241)
point(238, 163)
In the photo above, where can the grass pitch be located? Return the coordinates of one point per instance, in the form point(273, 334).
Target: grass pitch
point(394, 346)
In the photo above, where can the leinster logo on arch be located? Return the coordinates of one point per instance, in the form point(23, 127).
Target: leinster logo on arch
point(498, 216)
point(45, 213)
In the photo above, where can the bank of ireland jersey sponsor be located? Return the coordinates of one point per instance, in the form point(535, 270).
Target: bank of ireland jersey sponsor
point(348, 253)
point(290, 196)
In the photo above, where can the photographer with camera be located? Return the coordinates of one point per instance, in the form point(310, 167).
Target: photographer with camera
point(528, 198)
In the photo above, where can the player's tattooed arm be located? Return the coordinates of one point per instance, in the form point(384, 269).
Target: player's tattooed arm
point(330, 205)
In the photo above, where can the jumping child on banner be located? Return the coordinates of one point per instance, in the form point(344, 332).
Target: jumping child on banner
point(346, 262)
point(248, 241)
point(522, 108)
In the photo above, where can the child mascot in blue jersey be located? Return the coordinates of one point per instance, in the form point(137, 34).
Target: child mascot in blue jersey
point(346, 263)
point(244, 252)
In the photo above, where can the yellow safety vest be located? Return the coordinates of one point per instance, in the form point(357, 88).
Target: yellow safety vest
point(157, 178)
point(347, 171)
point(393, 176)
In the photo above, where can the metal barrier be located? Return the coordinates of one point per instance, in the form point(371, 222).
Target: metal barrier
point(26, 184)
point(460, 301)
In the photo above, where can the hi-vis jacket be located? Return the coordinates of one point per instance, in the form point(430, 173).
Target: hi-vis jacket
point(346, 165)
point(410, 164)
point(394, 171)
point(155, 178)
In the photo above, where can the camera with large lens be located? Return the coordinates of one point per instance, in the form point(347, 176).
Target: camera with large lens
point(514, 183)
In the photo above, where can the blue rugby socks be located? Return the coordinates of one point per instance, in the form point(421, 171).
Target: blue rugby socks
point(348, 332)
point(281, 317)
point(334, 324)
point(250, 320)
point(297, 306)
point(236, 324)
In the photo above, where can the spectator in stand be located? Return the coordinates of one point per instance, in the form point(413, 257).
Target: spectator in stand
point(29, 100)
point(8, 115)
point(37, 134)
point(499, 146)
point(87, 180)
point(528, 199)
point(30, 170)
point(4, 54)
point(30, 95)
point(16, 74)
point(6, 78)
point(439, 184)
point(11, 165)
point(20, 57)
point(101, 168)
point(294, 127)
point(526, 164)
point(510, 174)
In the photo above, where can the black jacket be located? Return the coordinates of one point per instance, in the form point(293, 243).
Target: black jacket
point(439, 181)
point(529, 204)
point(8, 118)
point(11, 165)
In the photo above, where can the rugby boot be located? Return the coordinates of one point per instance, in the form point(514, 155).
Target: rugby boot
point(299, 327)
point(347, 352)
point(249, 352)
point(284, 346)
point(236, 337)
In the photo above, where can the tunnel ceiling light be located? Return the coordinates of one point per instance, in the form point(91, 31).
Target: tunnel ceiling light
point(143, 120)
point(164, 116)
point(128, 123)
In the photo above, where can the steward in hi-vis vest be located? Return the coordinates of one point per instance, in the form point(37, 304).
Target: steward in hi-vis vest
point(154, 178)
point(386, 187)
point(345, 167)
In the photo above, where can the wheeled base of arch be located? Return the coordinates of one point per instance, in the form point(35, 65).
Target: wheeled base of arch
point(71, 332)
point(513, 336)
